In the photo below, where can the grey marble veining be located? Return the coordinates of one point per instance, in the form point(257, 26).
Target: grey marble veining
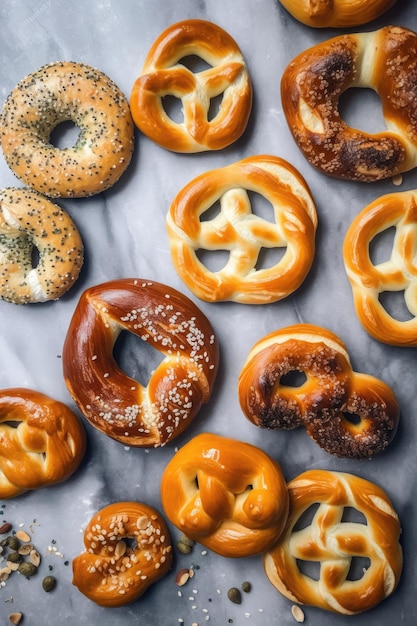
point(124, 236)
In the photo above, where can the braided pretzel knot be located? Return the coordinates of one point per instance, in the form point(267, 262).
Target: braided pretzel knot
point(163, 74)
point(118, 405)
point(228, 495)
point(399, 273)
point(347, 413)
point(336, 13)
point(334, 543)
point(385, 61)
point(128, 548)
point(236, 229)
point(42, 442)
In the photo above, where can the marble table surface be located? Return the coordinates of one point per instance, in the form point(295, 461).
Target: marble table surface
point(124, 235)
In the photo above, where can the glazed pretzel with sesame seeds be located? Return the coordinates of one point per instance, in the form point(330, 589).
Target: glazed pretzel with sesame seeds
point(42, 442)
point(164, 74)
point(243, 234)
point(228, 495)
point(384, 60)
point(348, 414)
point(112, 401)
point(396, 274)
point(333, 540)
point(128, 548)
point(336, 13)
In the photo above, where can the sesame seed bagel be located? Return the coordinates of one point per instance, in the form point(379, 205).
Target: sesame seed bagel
point(118, 405)
point(30, 223)
point(56, 93)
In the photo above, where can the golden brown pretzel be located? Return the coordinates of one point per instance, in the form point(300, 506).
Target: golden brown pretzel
point(42, 442)
point(334, 542)
point(56, 93)
point(398, 273)
point(30, 221)
point(336, 13)
point(228, 495)
point(347, 413)
point(128, 548)
point(243, 234)
point(118, 405)
point(385, 61)
point(163, 74)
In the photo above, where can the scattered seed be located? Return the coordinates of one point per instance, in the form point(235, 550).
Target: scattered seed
point(183, 575)
point(234, 595)
point(397, 180)
point(49, 583)
point(246, 586)
point(15, 618)
point(23, 536)
point(14, 557)
point(34, 558)
point(297, 613)
point(5, 528)
point(185, 545)
point(12, 542)
point(27, 569)
point(25, 549)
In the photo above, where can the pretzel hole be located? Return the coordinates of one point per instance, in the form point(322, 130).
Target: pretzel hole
point(380, 247)
point(65, 135)
point(361, 109)
point(213, 260)
point(214, 107)
point(395, 305)
point(136, 357)
point(352, 515)
point(311, 569)
point(269, 257)
point(11, 423)
point(307, 517)
point(173, 108)
point(261, 207)
point(358, 567)
point(195, 63)
point(294, 378)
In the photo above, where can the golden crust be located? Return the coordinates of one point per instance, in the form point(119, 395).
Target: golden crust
point(164, 74)
point(242, 233)
point(385, 61)
point(369, 280)
point(113, 572)
point(118, 405)
point(30, 221)
point(336, 13)
point(348, 414)
point(56, 93)
point(228, 495)
point(42, 442)
point(333, 542)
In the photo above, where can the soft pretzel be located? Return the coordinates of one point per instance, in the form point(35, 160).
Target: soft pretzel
point(128, 548)
point(336, 13)
point(56, 93)
point(334, 542)
point(42, 442)
point(347, 413)
point(164, 74)
point(385, 61)
point(398, 273)
point(28, 222)
point(118, 405)
point(243, 234)
point(225, 494)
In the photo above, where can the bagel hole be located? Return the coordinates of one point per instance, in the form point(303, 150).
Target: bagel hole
point(213, 260)
point(361, 109)
point(173, 108)
point(395, 305)
point(136, 357)
point(12, 423)
point(311, 569)
point(35, 256)
point(358, 567)
point(381, 246)
point(352, 515)
point(294, 378)
point(352, 418)
point(307, 517)
point(65, 135)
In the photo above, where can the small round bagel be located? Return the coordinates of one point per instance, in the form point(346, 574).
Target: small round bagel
point(336, 13)
point(30, 224)
point(61, 92)
point(164, 74)
point(384, 60)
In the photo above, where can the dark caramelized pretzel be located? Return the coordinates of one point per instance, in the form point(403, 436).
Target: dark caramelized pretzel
point(333, 543)
point(228, 495)
point(347, 413)
point(113, 402)
point(336, 13)
point(163, 74)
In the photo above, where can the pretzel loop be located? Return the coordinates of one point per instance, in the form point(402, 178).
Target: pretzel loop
point(398, 273)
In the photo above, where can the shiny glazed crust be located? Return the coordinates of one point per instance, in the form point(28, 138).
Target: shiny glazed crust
point(128, 548)
point(242, 233)
point(336, 13)
point(28, 220)
point(385, 61)
point(225, 494)
point(118, 405)
point(59, 92)
point(398, 273)
point(42, 442)
point(333, 542)
point(348, 414)
point(163, 74)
